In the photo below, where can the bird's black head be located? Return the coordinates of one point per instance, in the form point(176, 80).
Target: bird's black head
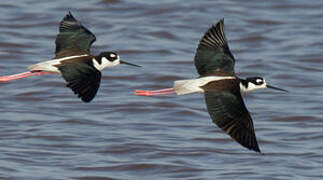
point(258, 81)
point(108, 56)
point(109, 59)
point(254, 83)
point(106, 59)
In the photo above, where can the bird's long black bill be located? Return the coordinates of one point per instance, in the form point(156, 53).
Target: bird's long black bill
point(279, 89)
point(123, 62)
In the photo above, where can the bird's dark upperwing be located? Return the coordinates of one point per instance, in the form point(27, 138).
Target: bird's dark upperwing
point(213, 54)
point(82, 78)
point(229, 112)
point(73, 38)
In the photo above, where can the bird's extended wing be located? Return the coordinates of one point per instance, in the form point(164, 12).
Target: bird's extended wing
point(73, 37)
point(229, 112)
point(82, 78)
point(213, 54)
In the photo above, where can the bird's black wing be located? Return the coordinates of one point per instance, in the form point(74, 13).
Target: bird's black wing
point(73, 37)
point(82, 78)
point(229, 112)
point(213, 54)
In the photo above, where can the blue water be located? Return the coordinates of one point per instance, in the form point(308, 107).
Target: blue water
point(48, 133)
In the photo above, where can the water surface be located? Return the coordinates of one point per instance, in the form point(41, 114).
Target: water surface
point(48, 133)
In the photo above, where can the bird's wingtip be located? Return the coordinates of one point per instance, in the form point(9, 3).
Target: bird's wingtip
point(69, 16)
point(255, 148)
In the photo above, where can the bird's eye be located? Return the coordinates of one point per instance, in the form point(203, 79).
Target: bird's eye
point(259, 81)
point(113, 55)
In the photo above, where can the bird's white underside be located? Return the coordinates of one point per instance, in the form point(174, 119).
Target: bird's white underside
point(194, 85)
point(50, 64)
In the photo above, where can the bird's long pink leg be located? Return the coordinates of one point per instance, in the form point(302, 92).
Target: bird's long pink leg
point(155, 92)
point(23, 75)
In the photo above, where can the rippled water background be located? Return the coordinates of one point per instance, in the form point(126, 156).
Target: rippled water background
point(48, 133)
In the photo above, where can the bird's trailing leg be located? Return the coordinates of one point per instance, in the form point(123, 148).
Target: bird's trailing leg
point(23, 75)
point(154, 93)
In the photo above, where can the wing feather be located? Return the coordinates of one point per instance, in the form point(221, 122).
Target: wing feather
point(73, 37)
point(228, 111)
point(82, 78)
point(213, 54)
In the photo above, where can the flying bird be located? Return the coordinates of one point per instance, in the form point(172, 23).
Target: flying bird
point(222, 89)
point(73, 61)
